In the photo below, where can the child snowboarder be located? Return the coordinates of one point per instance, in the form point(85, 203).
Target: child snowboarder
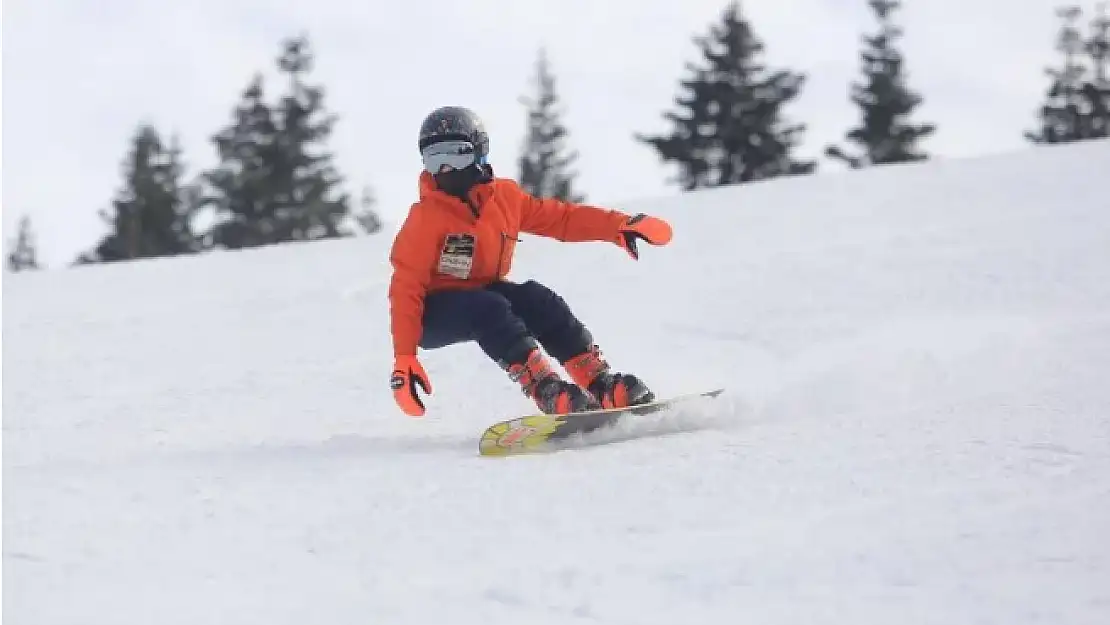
point(450, 259)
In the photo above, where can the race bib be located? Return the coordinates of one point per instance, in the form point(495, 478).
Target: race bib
point(456, 259)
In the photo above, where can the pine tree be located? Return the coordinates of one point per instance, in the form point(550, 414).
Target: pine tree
point(152, 211)
point(731, 129)
point(24, 254)
point(1097, 91)
point(885, 100)
point(275, 182)
point(240, 196)
point(1076, 107)
point(368, 218)
point(544, 164)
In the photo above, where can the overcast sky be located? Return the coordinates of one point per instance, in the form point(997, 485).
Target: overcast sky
point(78, 75)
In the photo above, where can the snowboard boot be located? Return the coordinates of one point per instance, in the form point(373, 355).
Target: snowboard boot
point(553, 395)
point(612, 390)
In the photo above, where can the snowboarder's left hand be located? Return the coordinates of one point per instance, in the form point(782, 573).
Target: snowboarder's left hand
point(407, 373)
point(651, 229)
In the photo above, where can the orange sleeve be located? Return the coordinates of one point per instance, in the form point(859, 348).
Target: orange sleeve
point(413, 258)
point(565, 221)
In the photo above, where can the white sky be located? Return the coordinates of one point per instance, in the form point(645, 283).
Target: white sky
point(78, 75)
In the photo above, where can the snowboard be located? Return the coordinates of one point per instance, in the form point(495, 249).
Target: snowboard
point(542, 432)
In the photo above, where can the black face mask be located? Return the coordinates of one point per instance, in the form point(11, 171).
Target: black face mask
point(459, 182)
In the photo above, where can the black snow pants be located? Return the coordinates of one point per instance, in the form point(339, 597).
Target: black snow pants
point(506, 319)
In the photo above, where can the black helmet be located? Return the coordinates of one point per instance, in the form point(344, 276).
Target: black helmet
point(455, 123)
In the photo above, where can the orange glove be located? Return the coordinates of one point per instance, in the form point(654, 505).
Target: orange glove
point(407, 373)
point(651, 229)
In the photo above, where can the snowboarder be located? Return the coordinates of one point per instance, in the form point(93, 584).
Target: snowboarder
point(450, 258)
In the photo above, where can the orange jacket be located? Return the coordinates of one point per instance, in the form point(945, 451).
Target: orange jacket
point(442, 245)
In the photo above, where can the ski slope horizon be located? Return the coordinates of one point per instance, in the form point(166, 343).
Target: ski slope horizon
point(916, 427)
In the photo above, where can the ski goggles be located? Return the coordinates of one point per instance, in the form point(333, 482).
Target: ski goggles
point(450, 154)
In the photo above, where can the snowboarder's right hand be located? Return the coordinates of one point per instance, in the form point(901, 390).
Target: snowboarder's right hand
point(407, 373)
point(644, 228)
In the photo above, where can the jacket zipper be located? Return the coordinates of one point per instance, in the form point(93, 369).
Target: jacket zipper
point(472, 207)
point(501, 251)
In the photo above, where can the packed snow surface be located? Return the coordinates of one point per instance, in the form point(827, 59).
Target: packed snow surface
point(916, 427)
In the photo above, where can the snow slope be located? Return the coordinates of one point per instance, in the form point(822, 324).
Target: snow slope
point(917, 428)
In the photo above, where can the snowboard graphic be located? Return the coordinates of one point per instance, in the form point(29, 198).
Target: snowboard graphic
point(540, 433)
